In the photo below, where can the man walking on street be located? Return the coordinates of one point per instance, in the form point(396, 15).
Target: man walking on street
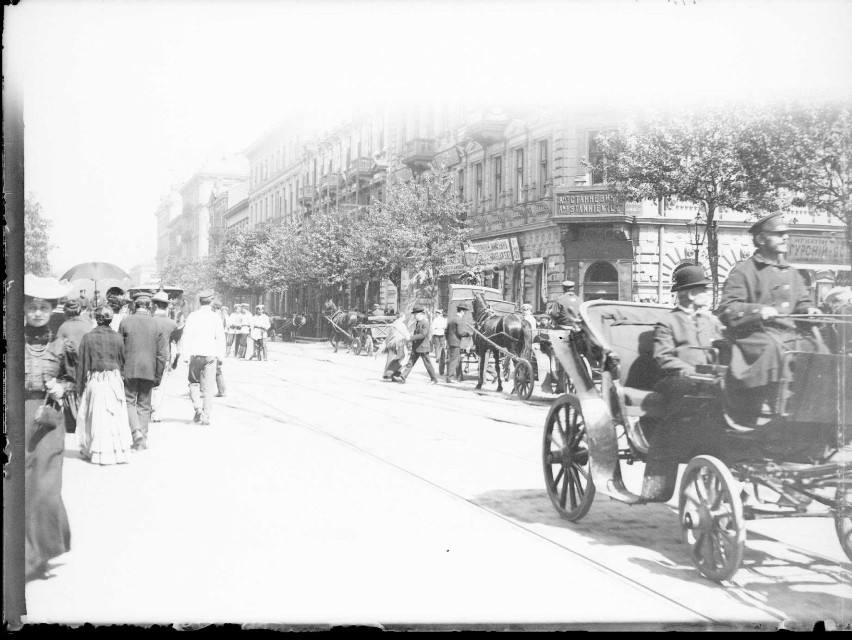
point(420, 347)
point(456, 331)
point(146, 351)
point(160, 302)
point(204, 341)
point(439, 340)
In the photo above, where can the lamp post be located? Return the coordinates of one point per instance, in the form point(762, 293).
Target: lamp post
point(697, 230)
point(470, 257)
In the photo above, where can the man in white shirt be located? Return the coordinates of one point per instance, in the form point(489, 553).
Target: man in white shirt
point(204, 341)
point(439, 340)
point(260, 326)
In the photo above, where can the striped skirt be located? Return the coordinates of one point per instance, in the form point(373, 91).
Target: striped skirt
point(103, 429)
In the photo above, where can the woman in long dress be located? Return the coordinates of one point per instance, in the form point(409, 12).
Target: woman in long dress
point(47, 532)
point(103, 429)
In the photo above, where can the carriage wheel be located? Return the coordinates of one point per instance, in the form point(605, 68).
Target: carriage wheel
point(369, 347)
point(355, 345)
point(567, 468)
point(524, 380)
point(711, 517)
point(843, 518)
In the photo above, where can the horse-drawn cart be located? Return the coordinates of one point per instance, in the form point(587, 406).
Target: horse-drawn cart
point(797, 462)
point(369, 336)
point(491, 333)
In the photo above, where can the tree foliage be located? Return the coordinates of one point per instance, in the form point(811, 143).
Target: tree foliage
point(814, 159)
point(715, 158)
point(193, 276)
point(37, 245)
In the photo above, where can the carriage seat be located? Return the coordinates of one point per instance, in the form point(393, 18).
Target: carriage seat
point(643, 403)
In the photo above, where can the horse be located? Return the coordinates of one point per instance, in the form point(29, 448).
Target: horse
point(345, 319)
point(508, 331)
point(287, 328)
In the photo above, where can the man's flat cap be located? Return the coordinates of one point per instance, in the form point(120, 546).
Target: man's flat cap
point(773, 223)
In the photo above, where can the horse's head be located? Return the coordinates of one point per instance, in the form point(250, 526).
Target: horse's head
point(298, 320)
point(480, 306)
point(329, 307)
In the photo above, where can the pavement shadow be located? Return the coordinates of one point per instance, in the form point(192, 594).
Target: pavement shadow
point(791, 579)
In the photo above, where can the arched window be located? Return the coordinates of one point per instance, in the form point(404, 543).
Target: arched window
point(600, 282)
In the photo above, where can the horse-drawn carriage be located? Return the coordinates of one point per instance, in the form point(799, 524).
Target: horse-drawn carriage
point(286, 329)
point(497, 329)
point(797, 463)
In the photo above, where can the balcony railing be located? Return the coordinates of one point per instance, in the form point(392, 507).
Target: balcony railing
point(330, 181)
point(306, 194)
point(487, 128)
point(418, 153)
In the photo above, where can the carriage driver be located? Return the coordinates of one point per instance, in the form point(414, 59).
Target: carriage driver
point(565, 313)
point(757, 295)
point(681, 342)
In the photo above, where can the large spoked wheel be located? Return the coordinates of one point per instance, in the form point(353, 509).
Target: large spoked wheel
point(355, 345)
point(843, 518)
point(711, 517)
point(524, 379)
point(567, 468)
point(369, 347)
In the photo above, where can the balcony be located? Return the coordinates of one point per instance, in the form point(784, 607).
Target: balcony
point(330, 182)
point(418, 153)
point(487, 128)
point(361, 169)
point(306, 195)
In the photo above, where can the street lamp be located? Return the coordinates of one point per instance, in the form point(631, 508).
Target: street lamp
point(471, 258)
point(697, 230)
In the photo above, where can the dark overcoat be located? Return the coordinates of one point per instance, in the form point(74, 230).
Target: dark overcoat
point(146, 347)
point(421, 341)
point(679, 342)
point(455, 332)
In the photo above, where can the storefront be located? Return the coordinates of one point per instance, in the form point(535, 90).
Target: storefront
point(597, 241)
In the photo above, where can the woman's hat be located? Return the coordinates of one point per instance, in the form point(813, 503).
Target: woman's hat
point(688, 277)
point(161, 296)
point(838, 294)
point(206, 295)
point(46, 288)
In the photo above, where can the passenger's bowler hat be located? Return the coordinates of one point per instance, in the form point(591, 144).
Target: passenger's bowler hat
point(462, 307)
point(774, 223)
point(688, 277)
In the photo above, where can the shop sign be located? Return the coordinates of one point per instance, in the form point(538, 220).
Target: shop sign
point(587, 203)
point(817, 250)
point(499, 251)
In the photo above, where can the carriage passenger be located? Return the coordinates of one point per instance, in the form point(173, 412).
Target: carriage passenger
point(681, 342)
point(758, 294)
point(377, 312)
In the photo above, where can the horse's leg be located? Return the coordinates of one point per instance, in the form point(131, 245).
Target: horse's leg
point(481, 357)
point(497, 358)
point(333, 339)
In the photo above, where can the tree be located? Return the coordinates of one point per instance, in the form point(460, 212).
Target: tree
point(322, 254)
point(814, 159)
point(716, 158)
point(241, 264)
point(419, 227)
point(37, 245)
point(193, 276)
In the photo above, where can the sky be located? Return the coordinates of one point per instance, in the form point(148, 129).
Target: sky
point(123, 98)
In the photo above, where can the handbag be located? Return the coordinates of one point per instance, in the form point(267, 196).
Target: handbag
point(49, 414)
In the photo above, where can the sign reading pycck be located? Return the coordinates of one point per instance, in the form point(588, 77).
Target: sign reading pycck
point(817, 250)
point(586, 203)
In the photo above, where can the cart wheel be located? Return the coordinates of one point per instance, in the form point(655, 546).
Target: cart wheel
point(711, 517)
point(524, 379)
point(567, 468)
point(355, 345)
point(843, 518)
point(369, 347)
